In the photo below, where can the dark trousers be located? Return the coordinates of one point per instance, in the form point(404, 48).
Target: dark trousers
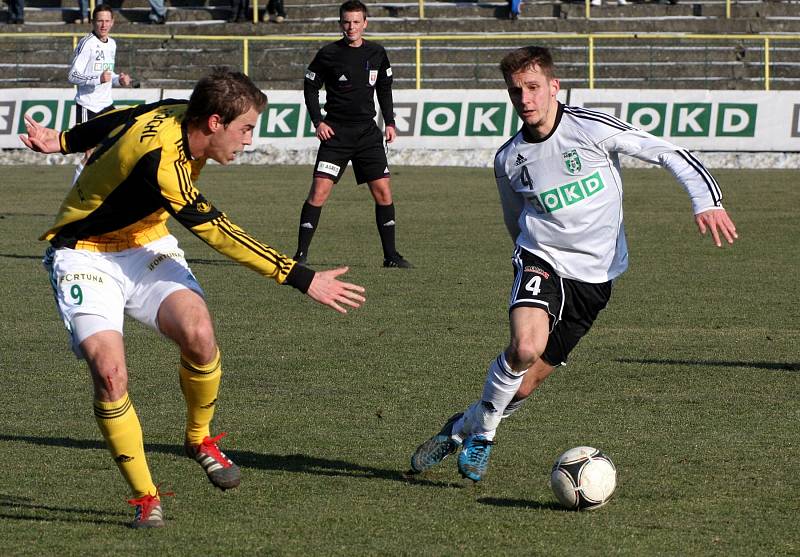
point(275, 7)
point(239, 9)
point(16, 11)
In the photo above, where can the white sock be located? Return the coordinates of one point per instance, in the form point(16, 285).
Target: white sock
point(78, 170)
point(484, 416)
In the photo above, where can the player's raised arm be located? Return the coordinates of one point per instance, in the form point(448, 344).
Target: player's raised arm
point(703, 190)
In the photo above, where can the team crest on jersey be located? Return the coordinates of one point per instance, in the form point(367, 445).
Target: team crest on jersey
point(572, 161)
point(373, 76)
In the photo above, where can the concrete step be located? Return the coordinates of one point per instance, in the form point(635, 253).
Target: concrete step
point(306, 16)
point(166, 61)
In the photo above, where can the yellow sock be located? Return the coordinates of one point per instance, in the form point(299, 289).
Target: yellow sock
point(123, 434)
point(200, 385)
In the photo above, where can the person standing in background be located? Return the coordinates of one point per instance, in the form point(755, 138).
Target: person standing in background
point(275, 13)
point(16, 11)
point(92, 72)
point(352, 70)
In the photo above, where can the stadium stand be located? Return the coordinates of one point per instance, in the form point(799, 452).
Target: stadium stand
point(729, 55)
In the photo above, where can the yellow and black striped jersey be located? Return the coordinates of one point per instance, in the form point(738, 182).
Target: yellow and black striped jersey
point(139, 175)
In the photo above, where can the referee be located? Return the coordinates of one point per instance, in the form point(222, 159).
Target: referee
point(351, 70)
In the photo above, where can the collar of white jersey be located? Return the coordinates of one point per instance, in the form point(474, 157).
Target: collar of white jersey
point(528, 138)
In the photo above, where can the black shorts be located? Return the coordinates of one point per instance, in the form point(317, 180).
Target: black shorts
point(362, 144)
point(573, 305)
point(83, 114)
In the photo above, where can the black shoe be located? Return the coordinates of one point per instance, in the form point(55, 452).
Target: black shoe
point(397, 261)
point(301, 258)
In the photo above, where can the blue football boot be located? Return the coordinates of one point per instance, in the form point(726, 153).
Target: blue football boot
point(474, 457)
point(437, 448)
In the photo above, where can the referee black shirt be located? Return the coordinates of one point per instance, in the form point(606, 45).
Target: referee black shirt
point(350, 75)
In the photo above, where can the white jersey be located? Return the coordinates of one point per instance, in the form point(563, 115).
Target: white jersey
point(562, 195)
point(91, 58)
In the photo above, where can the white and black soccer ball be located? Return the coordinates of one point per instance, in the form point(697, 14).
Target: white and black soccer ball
point(583, 478)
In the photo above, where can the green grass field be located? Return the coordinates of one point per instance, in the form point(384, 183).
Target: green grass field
point(690, 381)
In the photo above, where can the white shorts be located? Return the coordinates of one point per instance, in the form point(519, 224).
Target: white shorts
point(108, 285)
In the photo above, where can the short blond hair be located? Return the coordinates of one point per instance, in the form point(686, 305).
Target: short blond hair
point(528, 57)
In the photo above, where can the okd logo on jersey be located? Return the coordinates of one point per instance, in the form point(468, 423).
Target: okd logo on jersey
point(569, 194)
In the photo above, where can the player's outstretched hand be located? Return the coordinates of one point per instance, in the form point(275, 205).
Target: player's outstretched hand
point(327, 289)
point(718, 222)
point(39, 138)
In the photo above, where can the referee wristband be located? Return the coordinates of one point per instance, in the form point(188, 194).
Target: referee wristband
point(300, 277)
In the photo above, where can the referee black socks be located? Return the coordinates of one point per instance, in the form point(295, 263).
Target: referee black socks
point(309, 219)
point(384, 219)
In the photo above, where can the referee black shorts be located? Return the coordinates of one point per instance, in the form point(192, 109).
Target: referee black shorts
point(362, 144)
point(572, 305)
point(83, 114)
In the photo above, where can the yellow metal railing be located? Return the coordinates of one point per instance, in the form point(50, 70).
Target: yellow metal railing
point(590, 39)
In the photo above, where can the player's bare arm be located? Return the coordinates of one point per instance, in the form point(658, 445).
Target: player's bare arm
point(39, 138)
point(328, 290)
point(718, 222)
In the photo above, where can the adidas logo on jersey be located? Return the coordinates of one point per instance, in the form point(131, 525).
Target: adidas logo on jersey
point(520, 160)
point(343, 78)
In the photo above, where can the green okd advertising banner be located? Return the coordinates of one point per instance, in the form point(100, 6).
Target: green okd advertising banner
point(479, 119)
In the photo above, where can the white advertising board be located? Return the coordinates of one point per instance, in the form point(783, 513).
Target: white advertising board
point(705, 120)
point(462, 119)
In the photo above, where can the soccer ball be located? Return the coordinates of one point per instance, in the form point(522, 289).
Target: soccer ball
point(583, 479)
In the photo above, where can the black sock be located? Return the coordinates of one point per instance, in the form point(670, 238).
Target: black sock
point(384, 219)
point(309, 219)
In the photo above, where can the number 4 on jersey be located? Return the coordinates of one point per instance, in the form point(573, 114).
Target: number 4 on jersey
point(526, 178)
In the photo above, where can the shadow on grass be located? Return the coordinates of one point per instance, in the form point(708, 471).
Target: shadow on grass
point(520, 503)
point(778, 366)
point(298, 463)
point(24, 508)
